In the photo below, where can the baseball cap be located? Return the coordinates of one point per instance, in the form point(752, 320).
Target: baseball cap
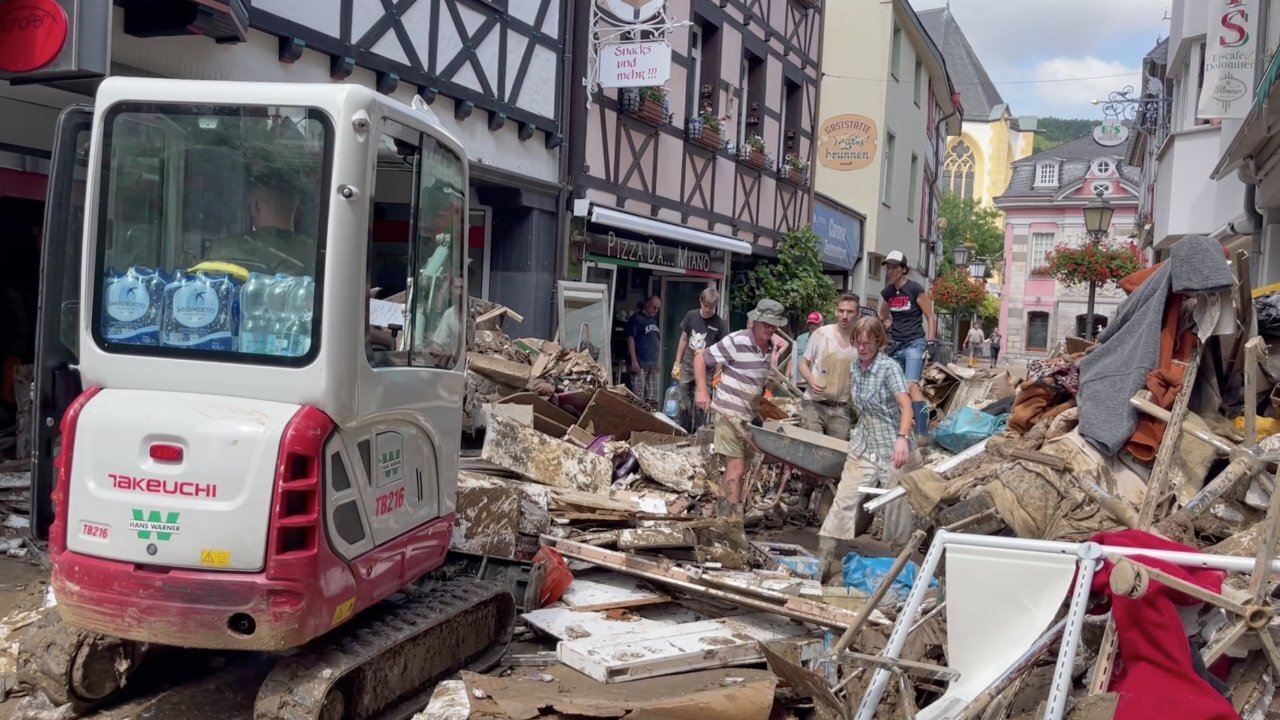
point(815, 317)
point(894, 258)
point(769, 312)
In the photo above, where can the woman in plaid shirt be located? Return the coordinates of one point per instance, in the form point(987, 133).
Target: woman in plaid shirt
point(880, 445)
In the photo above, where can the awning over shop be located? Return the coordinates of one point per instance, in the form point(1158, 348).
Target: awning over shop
point(1256, 137)
point(841, 233)
point(666, 230)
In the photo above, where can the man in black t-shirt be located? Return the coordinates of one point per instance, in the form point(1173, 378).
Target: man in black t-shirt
point(699, 330)
point(907, 311)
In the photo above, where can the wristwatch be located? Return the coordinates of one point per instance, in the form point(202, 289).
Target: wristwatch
point(903, 436)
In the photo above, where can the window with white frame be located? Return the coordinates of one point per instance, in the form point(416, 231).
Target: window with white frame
point(914, 180)
point(1047, 174)
point(1102, 167)
point(918, 90)
point(1105, 187)
point(1186, 89)
point(695, 71)
point(1041, 245)
point(886, 181)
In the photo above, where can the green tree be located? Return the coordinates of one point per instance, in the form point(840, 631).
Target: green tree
point(795, 279)
point(965, 218)
point(990, 310)
point(1052, 131)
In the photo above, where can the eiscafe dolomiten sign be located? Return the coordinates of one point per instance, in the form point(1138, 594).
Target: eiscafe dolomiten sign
point(847, 142)
point(1230, 52)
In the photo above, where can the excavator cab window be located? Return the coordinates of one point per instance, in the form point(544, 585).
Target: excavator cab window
point(211, 232)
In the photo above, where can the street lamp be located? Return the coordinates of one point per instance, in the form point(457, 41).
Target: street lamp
point(1097, 221)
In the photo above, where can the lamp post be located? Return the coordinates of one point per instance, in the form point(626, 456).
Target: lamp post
point(1097, 222)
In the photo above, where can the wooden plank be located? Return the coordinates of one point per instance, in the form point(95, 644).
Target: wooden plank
point(499, 370)
point(492, 512)
point(608, 591)
point(803, 610)
point(611, 414)
point(702, 645)
point(544, 459)
point(657, 538)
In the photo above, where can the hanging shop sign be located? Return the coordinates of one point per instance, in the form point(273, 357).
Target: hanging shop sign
point(651, 254)
point(1230, 53)
point(1110, 132)
point(632, 11)
point(634, 64)
point(847, 142)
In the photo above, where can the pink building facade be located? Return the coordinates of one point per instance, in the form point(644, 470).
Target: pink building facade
point(1043, 208)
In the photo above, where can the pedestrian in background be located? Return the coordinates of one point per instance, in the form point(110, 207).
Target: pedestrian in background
point(995, 339)
point(974, 341)
point(644, 345)
point(907, 312)
point(880, 445)
point(699, 330)
point(825, 367)
point(743, 357)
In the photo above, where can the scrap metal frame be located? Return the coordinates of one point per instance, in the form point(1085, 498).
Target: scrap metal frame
point(1089, 556)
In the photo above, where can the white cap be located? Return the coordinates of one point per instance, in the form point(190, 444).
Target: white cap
point(896, 257)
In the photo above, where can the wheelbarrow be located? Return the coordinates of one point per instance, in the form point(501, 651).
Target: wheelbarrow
point(813, 456)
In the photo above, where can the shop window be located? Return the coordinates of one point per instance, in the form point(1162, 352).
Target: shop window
point(1037, 331)
point(417, 258)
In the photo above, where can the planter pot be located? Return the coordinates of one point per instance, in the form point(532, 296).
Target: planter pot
point(754, 158)
point(650, 111)
point(793, 176)
point(700, 134)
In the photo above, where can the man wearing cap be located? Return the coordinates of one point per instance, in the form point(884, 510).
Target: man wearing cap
point(745, 367)
point(907, 311)
point(825, 367)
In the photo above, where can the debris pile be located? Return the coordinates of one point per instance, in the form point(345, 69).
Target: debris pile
point(1095, 538)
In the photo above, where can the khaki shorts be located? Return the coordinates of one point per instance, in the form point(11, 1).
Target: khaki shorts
point(728, 438)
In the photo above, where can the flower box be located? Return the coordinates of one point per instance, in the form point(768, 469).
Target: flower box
point(753, 157)
point(651, 112)
point(699, 134)
point(793, 176)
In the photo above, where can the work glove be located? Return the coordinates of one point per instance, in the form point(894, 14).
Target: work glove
point(675, 372)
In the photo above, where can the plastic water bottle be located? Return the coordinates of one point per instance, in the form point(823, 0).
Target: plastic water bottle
point(278, 318)
point(199, 312)
point(298, 332)
point(131, 306)
point(254, 320)
point(671, 405)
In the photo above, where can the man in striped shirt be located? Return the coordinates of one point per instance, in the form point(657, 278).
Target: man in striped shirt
point(744, 358)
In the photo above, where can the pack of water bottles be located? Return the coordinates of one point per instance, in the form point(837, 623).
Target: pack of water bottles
point(265, 315)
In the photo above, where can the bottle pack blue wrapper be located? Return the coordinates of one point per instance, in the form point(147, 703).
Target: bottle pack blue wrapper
point(967, 427)
point(866, 574)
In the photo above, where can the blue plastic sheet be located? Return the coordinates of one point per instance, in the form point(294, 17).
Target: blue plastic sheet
point(866, 574)
point(967, 427)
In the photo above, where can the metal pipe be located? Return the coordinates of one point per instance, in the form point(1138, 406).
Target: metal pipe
point(902, 628)
point(1180, 558)
point(1141, 403)
point(1090, 555)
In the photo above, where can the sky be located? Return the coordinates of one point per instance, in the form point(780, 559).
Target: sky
point(1051, 57)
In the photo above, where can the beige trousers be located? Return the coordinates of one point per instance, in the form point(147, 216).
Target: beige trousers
point(846, 518)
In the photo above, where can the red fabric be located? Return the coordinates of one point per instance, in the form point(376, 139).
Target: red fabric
point(1153, 673)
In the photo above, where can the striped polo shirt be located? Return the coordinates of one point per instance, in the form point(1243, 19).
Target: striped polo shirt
point(742, 379)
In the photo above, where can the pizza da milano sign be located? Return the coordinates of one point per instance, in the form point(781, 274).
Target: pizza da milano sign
point(847, 142)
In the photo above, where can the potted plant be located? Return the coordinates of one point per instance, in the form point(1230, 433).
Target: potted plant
point(957, 293)
point(706, 130)
point(794, 169)
point(752, 152)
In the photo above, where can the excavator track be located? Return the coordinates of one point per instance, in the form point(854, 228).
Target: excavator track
point(378, 665)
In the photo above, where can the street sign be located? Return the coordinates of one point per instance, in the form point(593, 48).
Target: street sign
point(634, 64)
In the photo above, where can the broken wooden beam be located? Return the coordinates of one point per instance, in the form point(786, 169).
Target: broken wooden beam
point(544, 459)
point(657, 538)
point(499, 370)
point(816, 613)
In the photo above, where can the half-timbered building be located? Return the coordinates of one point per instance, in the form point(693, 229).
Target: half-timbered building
point(681, 186)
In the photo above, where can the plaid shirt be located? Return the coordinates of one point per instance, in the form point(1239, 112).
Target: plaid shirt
point(873, 394)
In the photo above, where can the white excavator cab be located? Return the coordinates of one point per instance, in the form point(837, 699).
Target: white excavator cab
point(247, 463)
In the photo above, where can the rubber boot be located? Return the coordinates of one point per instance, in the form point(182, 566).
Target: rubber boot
point(827, 562)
